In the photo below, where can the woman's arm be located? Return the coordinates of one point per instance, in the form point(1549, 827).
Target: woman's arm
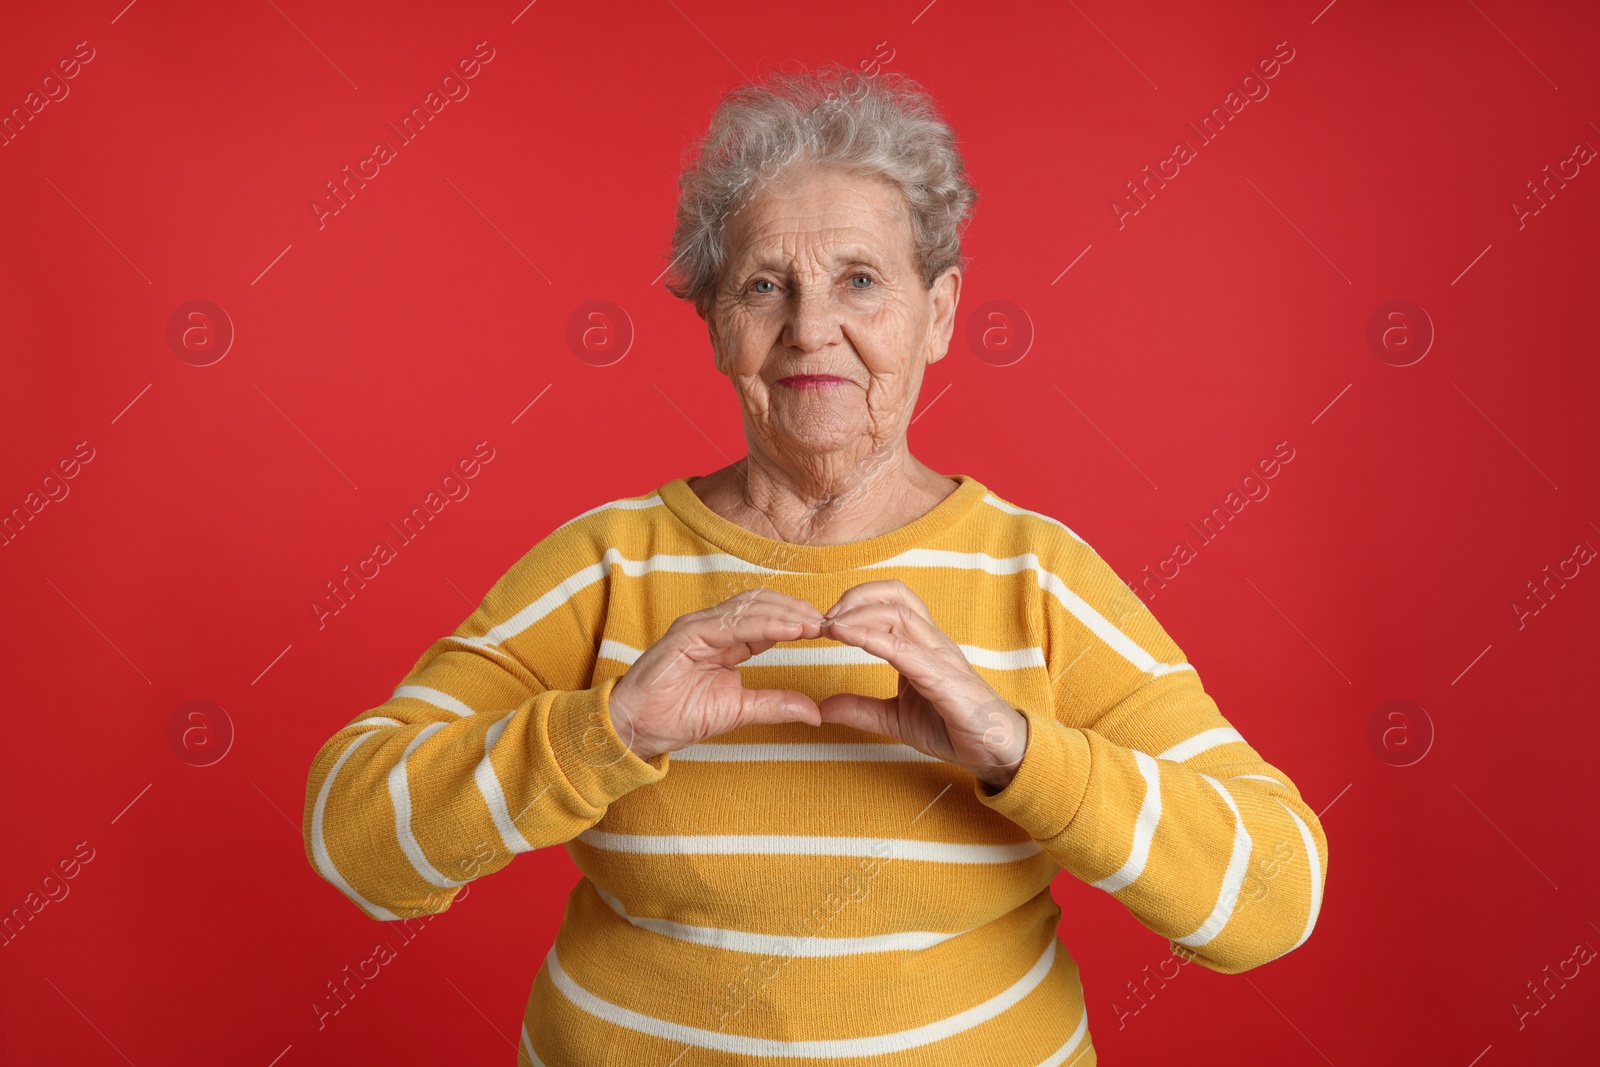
point(474, 758)
point(1149, 793)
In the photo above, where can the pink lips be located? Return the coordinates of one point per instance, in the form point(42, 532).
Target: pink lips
point(812, 381)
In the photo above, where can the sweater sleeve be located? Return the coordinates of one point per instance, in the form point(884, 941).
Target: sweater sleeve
point(474, 758)
point(1135, 783)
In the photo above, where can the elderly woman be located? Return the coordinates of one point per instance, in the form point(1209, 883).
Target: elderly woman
point(819, 728)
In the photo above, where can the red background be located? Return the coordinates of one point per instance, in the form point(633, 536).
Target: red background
point(373, 352)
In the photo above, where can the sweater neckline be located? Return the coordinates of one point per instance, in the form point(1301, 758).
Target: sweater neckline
point(751, 547)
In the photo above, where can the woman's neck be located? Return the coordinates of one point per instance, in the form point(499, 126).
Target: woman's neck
point(823, 505)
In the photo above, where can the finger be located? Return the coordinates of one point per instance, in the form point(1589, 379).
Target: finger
point(915, 647)
point(871, 714)
point(884, 591)
point(756, 601)
point(884, 625)
point(764, 595)
point(723, 632)
point(806, 626)
point(770, 706)
point(802, 612)
point(866, 632)
point(725, 615)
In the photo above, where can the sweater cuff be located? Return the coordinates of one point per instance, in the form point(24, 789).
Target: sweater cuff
point(1050, 781)
point(595, 760)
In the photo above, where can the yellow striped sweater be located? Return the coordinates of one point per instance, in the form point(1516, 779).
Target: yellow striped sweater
point(791, 892)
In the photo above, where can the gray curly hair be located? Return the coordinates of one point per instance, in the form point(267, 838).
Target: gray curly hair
point(883, 125)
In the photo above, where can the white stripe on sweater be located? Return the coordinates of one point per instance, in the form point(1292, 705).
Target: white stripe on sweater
point(1011, 659)
point(583, 577)
point(433, 696)
point(718, 562)
point(810, 946)
point(527, 1049)
point(722, 752)
point(400, 796)
point(1208, 739)
point(494, 795)
point(1315, 870)
point(1259, 778)
point(740, 1044)
point(1070, 1046)
point(319, 845)
point(1232, 878)
point(1144, 827)
point(805, 845)
point(1012, 509)
point(621, 504)
point(1079, 608)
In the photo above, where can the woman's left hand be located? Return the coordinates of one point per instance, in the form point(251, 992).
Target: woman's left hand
point(943, 708)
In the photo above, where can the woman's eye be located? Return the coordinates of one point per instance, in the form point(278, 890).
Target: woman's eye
point(861, 277)
point(762, 281)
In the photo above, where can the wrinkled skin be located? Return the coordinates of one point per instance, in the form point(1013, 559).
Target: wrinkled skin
point(821, 279)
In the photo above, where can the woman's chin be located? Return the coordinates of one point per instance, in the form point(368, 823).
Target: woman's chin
point(819, 445)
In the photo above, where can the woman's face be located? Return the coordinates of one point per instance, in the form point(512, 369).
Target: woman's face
point(820, 280)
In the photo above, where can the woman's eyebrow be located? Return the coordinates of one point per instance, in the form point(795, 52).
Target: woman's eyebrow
point(843, 257)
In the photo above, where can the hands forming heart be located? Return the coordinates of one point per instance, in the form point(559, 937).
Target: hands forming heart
point(686, 687)
point(943, 708)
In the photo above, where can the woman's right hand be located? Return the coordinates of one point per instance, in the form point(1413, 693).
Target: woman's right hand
point(686, 687)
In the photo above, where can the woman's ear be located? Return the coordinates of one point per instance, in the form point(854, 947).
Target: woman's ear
point(716, 342)
point(945, 295)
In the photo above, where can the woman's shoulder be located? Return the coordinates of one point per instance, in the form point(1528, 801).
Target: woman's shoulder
point(1072, 574)
point(1014, 529)
point(571, 558)
point(618, 523)
point(613, 513)
point(580, 549)
point(1076, 581)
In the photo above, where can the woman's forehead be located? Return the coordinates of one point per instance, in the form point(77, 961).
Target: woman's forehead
point(850, 222)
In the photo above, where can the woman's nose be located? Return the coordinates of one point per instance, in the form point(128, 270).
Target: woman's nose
point(813, 318)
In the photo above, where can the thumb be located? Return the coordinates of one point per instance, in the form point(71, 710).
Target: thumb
point(769, 706)
point(871, 714)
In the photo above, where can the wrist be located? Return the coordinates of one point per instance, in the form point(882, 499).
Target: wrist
point(996, 778)
point(622, 723)
point(1006, 759)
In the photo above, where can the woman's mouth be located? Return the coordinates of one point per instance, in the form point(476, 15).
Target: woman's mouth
point(813, 381)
